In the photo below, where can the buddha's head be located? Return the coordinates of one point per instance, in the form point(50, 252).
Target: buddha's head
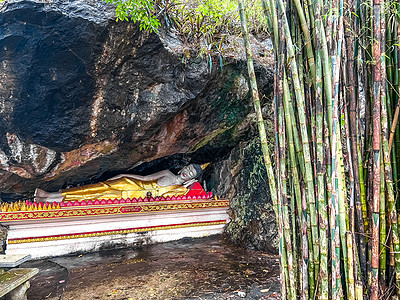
point(191, 171)
point(188, 172)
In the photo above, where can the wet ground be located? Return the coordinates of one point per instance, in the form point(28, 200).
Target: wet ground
point(206, 268)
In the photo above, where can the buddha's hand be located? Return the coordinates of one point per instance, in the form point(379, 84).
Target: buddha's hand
point(189, 182)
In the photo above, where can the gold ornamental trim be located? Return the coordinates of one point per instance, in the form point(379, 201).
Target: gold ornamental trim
point(112, 232)
point(86, 211)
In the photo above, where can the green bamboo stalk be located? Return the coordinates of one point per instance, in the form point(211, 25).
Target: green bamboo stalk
point(295, 228)
point(342, 218)
point(307, 39)
point(376, 148)
point(305, 210)
point(287, 265)
point(389, 179)
point(270, 7)
point(357, 137)
point(257, 107)
point(396, 144)
point(284, 277)
point(393, 98)
point(354, 273)
point(306, 269)
point(363, 194)
point(325, 61)
point(391, 270)
point(347, 246)
point(283, 192)
point(353, 126)
point(309, 11)
point(313, 276)
point(304, 135)
point(295, 175)
point(311, 281)
point(330, 14)
point(285, 216)
point(363, 141)
point(280, 166)
point(323, 215)
point(269, 11)
point(337, 229)
point(335, 220)
point(382, 226)
point(395, 56)
point(310, 110)
point(346, 217)
point(331, 212)
point(297, 142)
point(384, 122)
point(264, 147)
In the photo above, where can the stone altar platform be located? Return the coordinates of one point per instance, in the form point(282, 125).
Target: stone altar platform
point(55, 229)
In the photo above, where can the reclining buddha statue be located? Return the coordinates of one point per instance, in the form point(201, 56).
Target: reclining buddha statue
point(160, 184)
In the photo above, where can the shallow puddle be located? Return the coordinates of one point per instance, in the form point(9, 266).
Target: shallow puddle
point(205, 268)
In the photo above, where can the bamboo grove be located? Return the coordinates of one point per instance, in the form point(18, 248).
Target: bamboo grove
point(334, 175)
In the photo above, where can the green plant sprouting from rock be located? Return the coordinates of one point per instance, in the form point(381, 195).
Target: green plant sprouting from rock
point(206, 27)
point(142, 11)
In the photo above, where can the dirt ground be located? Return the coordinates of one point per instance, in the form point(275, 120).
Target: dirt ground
point(206, 268)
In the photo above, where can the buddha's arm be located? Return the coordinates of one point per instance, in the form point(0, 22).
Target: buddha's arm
point(151, 177)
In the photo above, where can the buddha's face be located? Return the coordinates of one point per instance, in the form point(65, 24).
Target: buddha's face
point(188, 173)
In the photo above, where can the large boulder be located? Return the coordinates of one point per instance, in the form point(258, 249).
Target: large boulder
point(83, 97)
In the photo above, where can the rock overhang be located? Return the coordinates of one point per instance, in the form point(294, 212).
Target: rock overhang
point(91, 96)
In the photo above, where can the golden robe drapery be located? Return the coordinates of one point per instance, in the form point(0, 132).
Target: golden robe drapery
point(122, 188)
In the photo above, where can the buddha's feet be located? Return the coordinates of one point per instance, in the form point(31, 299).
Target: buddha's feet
point(41, 196)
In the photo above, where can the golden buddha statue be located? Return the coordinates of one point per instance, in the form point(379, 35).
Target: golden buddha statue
point(161, 184)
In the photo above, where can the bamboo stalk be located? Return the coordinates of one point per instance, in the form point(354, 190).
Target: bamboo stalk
point(294, 229)
point(307, 39)
point(376, 145)
point(335, 290)
point(306, 252)
point(337, 227)
point(394, 124)
point(384, 122)
point(343, 163)
point(295, 176)
point(264, 147)
point(325, 61)
point(389, 184)
point(271, 8)
point(347, 247)
point(396, 88)
point(382, 226)
point(392, 97)
point(353, 121)
point(304, 135)
point(283, 188)
point(257, 106)
point(396, 143)
point(323, 215)
point(353, 258)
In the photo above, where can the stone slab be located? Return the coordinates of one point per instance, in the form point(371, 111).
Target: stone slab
point(14, 278)
point(13, 260)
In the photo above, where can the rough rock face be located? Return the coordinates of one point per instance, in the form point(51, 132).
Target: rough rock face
point(242, 178)
point(83, 97)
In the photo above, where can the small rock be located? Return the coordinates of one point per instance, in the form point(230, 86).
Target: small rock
point(241, 294)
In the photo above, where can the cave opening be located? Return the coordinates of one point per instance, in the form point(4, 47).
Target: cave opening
point(175, 162)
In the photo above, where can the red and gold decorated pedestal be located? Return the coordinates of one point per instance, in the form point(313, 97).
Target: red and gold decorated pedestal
point(64, 228)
